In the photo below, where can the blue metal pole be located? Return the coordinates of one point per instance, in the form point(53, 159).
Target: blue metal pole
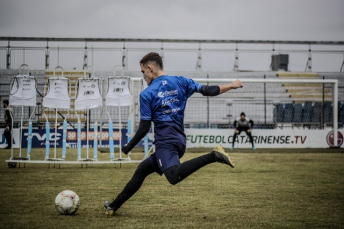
point(79, 140)
point(64, 139)
point(95, 142)
point(29, 138)
point(129, 130)
point(47, 138)
point(146, 146)
point(112, 150)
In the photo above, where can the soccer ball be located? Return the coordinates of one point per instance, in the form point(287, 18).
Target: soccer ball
point(67, 202)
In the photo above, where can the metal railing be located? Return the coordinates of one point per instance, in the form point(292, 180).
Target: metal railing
point(178, 54)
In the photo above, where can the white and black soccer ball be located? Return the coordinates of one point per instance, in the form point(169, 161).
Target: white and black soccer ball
point(67, 202)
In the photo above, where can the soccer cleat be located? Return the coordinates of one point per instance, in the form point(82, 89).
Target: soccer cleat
point(232, 147)
point(109, 210)
point(253, 147)
point(222, 157)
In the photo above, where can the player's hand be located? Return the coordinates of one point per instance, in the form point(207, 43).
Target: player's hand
point(236, 130)
point(249, 130)
point(237, 84)
point(126, 149)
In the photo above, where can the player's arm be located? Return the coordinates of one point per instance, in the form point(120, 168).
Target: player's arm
point(251, 123)
point(235, 123)
point(145, 123)
point(235, 126)
point(236, 84)
point(143, 129)
point(217, 90)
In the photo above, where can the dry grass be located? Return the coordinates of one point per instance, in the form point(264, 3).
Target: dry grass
point(268, 189)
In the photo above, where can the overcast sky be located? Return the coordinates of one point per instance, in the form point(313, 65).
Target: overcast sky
point(316, 20)
point(182, 19)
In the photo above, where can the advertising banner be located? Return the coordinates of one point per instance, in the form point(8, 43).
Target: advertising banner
point(276, 138)
point(39, 136)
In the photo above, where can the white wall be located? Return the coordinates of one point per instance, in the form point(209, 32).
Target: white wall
point(277, 138)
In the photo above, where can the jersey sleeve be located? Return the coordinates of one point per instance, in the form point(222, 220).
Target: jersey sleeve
point(192, 86)
point(235, 123)
point(145, 109)
point(251, 122)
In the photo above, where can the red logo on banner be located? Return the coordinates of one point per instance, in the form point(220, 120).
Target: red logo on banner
point(330, 139)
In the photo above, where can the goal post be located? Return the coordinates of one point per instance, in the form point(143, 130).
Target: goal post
point(317, 98)
point(332, 82)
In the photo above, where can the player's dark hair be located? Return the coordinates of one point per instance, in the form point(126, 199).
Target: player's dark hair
point(242, 113)
point(5, 101)
point(152, 57)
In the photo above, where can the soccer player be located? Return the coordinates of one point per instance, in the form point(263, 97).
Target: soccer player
point(243, 124)
point(163, 102)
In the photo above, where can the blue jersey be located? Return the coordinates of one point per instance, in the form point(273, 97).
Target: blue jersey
point(164, 102)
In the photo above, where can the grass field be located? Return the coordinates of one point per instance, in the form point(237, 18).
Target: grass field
point(268, 189)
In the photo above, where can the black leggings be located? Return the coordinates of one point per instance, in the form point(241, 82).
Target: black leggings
point(7, 135)
point(174, 175)
point(248, 134)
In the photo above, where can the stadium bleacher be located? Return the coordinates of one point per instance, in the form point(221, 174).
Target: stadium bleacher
point(267, 104)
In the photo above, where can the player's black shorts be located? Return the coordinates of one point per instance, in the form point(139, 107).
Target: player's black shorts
point(243, 129)
point(166, 155)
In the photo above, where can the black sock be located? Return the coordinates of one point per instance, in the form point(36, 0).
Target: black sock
point(143, 170)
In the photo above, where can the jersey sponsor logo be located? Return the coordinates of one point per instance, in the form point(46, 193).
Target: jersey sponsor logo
point(58, 83)
point(164, 82)
point(28, 81)
point(93, 86)
point(171, 110)
point(169, 101)
point(119, 83)
point(167, 93)
point(88, 92)
point(118, 90)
